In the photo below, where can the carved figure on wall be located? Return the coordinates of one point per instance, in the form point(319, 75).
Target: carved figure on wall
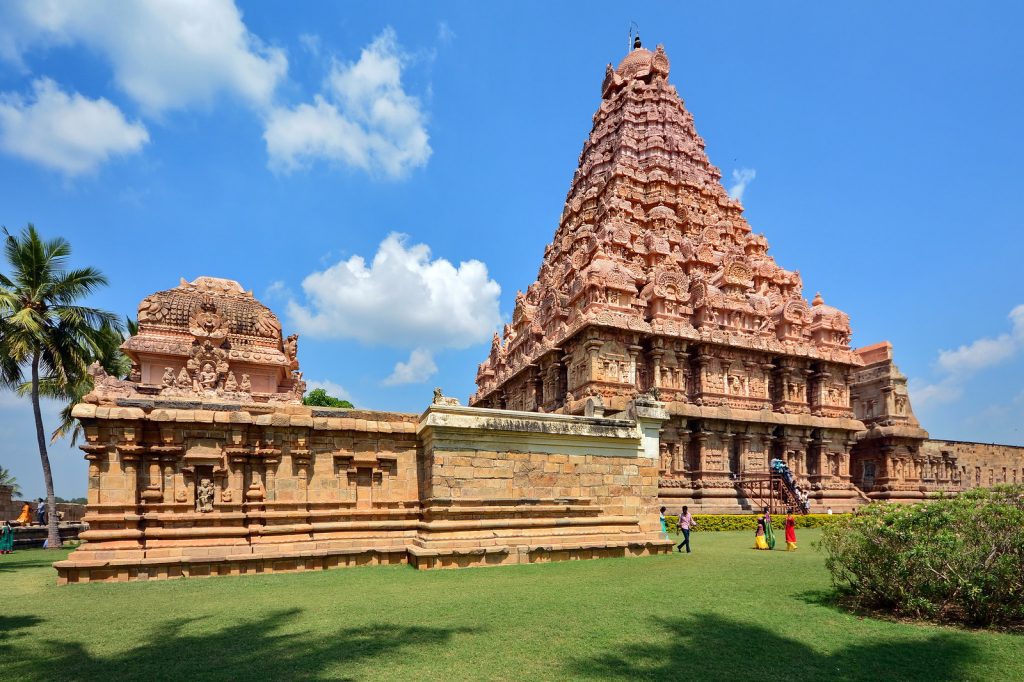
point(183, 379)
point(246, 384)
point(291, 351)
point(440, 399)
point(168, 379)
point(901, 403)
point(231, 384)
point(204, 496)
point(298, 385)
point(267, 325)
point(208, 324)
point(151, 310)
point(208, 377)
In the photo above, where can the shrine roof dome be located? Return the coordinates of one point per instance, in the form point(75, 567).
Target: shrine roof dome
point(641, 62)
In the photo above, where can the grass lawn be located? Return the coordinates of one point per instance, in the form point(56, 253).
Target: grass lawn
point(723, 612)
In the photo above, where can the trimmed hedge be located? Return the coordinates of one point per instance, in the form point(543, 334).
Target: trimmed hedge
point(717, 522)
point(957, 559)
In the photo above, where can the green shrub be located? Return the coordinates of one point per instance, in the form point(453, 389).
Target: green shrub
point(957, 559)
point(716, 522)
point(318, 397)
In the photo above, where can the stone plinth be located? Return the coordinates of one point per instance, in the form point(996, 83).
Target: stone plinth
point(516, 487)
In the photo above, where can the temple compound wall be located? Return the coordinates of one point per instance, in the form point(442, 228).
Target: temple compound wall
point(981, 465)
point(196, 469)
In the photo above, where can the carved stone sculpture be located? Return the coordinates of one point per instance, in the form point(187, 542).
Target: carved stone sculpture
point(204, 496)
point(440, 399)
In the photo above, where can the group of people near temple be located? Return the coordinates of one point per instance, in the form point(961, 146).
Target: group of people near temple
point(39, 516)
point(779, 468)
point(764, 537)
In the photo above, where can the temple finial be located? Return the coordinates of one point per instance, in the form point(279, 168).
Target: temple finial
point(636, 42)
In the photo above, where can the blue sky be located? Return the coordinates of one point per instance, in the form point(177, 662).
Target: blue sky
point(283, 146)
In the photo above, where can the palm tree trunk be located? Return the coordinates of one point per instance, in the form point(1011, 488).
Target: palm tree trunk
point(53, 536)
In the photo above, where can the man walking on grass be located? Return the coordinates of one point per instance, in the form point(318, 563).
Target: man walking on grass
point(686, 522)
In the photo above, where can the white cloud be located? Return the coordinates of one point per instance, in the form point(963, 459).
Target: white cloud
point(958, 366)
point(416, 370)
point(68, 132)
point(445, 34)
point(402, 299)
point(364, 118)
point(333, 389)
point(310, 43)
point(165, 54)
point(740, 179)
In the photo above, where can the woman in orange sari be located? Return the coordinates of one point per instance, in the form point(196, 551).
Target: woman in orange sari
point(26, 511)
point(790, 533)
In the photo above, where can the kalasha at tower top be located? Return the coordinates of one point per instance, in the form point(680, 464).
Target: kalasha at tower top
point(655, 282)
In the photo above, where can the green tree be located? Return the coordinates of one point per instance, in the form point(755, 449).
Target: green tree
point(318, 398)
point(7, 479)
point(113, 361)
point(44, 331)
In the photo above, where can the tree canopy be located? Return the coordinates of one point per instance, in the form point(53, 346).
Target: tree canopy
point(318, 397)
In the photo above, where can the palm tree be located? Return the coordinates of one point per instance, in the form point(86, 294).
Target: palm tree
point(114, 362)
point(43, 330)
point(10, 481)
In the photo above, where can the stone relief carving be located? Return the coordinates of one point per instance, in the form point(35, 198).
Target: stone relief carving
point(204, 496)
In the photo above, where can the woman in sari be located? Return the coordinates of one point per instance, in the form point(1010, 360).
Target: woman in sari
point(790, 533)
point(6, 538)
point(26, 514)
point(759, 540)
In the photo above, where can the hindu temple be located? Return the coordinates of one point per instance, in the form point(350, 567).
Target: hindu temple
point(662, 357)
point(655, 284)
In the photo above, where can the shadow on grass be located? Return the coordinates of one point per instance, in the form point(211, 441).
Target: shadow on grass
point(260, 649)
point(709, 647)
point(11, 628)
point(13, 562)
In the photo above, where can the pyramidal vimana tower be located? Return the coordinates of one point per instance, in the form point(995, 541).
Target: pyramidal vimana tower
point(656, 284)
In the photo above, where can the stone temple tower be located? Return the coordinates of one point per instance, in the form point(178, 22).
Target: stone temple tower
point(655, 283)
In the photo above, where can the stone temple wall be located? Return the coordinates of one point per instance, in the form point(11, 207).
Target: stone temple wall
point(981, 464)
point(193, 488)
